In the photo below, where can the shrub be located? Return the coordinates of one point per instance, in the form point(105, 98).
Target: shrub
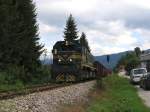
point(42, 75)
point(14, 73)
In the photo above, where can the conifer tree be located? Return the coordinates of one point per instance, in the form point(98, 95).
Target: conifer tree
point(19, 43)
point(8, 20)
point(83, 41)
point(70, 32)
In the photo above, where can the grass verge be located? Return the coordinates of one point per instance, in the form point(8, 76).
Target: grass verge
point(117, 95)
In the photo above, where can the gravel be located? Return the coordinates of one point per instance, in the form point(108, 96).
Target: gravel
point(48, 101)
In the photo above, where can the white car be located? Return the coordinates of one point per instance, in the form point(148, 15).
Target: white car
point(136, 74)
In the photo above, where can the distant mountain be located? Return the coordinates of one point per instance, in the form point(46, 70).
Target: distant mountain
point(114, 58)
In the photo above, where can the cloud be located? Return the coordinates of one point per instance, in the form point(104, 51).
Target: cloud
point(45, 28)
point(145, 38)
point(110, 37)
point(133, 13)
point(111, 25)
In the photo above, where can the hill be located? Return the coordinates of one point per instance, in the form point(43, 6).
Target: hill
point(114, 58)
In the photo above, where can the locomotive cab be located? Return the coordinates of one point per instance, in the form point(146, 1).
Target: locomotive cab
point(66, 61)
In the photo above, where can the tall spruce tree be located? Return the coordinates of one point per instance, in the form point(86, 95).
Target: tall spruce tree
point(83, 41)
point(8, 20)
point(19, 34)
point(70, 32)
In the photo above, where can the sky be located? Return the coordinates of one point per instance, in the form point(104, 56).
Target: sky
point(111, 26)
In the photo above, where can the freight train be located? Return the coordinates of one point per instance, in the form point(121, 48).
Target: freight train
point(101, 70)
point(73, 62)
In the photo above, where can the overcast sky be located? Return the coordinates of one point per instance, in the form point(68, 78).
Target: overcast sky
point(111, 26)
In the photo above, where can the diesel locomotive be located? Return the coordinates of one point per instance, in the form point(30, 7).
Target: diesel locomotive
point(72, 62)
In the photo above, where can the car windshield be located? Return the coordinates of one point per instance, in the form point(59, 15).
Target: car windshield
point(140, 71)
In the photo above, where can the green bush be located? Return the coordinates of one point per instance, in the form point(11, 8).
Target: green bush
point(42, 75)
point(15, 78)
point(16, 73)
point(3, 78)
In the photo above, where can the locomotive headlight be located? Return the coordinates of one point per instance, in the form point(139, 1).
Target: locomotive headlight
point(70, 60)
point(59, 60)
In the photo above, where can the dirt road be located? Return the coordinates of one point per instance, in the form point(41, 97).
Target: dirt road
point(145, 95)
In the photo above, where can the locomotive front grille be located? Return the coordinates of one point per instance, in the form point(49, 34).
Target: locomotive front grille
point(60, 78)
point(70, 78)
point(65, 78)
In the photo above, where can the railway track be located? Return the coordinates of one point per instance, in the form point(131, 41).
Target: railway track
point(12, 94)
point(33, 89)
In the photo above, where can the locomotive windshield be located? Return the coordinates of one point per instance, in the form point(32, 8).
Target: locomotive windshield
point(62, 47)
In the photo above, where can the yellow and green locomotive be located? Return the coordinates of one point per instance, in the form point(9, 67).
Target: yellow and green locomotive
point(72, 62)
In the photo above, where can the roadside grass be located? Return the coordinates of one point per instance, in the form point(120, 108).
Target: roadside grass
point(117, 95)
